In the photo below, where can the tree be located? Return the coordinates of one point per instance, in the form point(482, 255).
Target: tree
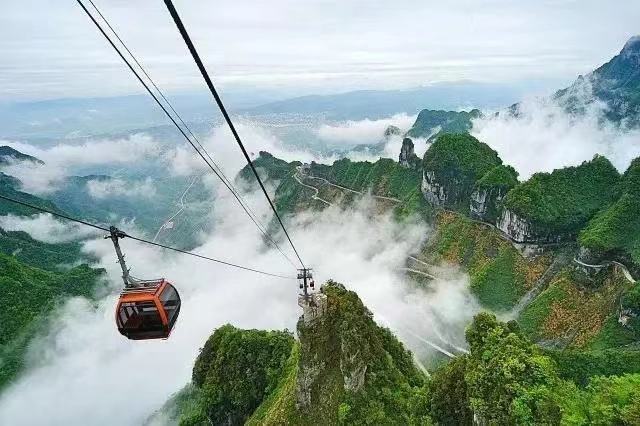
point(508, 380)
point(449, 402)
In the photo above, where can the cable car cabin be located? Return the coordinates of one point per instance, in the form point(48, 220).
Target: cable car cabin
point(148, 311)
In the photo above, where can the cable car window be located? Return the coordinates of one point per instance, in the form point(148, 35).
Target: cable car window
point(170, 302)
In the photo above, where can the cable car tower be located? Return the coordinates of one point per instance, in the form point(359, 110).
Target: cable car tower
point(147, 309)
point(305, 280)
point(313, 304)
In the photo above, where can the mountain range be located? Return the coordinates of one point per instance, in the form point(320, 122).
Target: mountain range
point(555, 256)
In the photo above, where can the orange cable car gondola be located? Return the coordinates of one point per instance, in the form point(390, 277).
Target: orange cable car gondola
point(146, 309)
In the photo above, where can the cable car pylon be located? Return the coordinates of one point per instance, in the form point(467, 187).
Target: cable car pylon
point(305, 280)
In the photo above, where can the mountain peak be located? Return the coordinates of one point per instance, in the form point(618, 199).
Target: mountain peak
point(631, 47)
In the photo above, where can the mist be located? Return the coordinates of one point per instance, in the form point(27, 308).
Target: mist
point(64, 159)
point(81, 368)
point(545, 137)
point(44, 227)
point(358, 132)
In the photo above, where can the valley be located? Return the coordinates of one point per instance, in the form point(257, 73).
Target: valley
point(451, 288)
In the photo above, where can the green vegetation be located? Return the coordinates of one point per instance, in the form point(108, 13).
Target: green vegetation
point(9, 187)
point(51, 257)
point(448, 394)
point(29, 293)
point(507, 380)
point(563, 201)
point(616, 230)
point(384, 177)
point(580, 366)
point(274, 168)
point(500, 177)
point(429, 121)
point(233, 374)
point(455, 162)
point(572, 316)
point(499, 274)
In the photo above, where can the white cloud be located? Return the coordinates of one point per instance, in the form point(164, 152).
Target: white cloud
point(357, 132)
point(44, 227)
point(545, 137)
point(61, 159)
point(118, 188)
point(56, 52)
point(82, 369)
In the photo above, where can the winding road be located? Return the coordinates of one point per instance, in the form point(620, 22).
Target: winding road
point(344, 188)
point(316, 190)
point(623, 268)
point(168, 224)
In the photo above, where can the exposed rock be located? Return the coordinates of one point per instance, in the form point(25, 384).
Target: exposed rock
point(408, 157)
point(433, 191)
point(392, 131)
point(452, 166)
point(522, 231)
point(484, 201)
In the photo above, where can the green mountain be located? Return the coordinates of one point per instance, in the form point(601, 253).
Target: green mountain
point(431, 123)
point(344, 369)
point(10, 187)
point(615, 231)
point(555, 206)
point(9, 155)
point(28, 294)
point(616, 83)
point(452, 165)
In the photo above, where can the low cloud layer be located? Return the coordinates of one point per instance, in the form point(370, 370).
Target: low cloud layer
point(62, 159)
point(358, 132)
point(101, 189)
point(545, 137)
point(44, 227)
point(83, 369)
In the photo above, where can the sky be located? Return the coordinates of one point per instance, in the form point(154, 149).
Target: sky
point(50, 49)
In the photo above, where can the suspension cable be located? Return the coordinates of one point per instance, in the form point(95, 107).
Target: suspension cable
point(212, 165)
point(223, 110)
point(142, 240)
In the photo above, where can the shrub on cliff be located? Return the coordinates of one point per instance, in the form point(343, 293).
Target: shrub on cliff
point(617, 229)
point(564, 200)
point(236, 369)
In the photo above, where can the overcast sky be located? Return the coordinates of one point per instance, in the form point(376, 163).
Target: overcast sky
point(50, 49)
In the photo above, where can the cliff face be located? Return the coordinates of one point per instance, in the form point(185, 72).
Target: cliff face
point(486, 199)
point(348, 371)
point(485, 202)
point(522, 231)
point(451, 167)
point(437, 192)
point(408, 157)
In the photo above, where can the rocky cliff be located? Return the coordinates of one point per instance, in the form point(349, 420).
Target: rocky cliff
point(554, 206)
point(487, 195)
point(350, 370)
point(408, 157)
point(451, 167)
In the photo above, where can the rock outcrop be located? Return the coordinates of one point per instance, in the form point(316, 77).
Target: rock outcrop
point(342, 354)
point(486, 198)
point(452, 165)
point(408, 157)
point(522, 231)
point(392, 131)
point(434, 191)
